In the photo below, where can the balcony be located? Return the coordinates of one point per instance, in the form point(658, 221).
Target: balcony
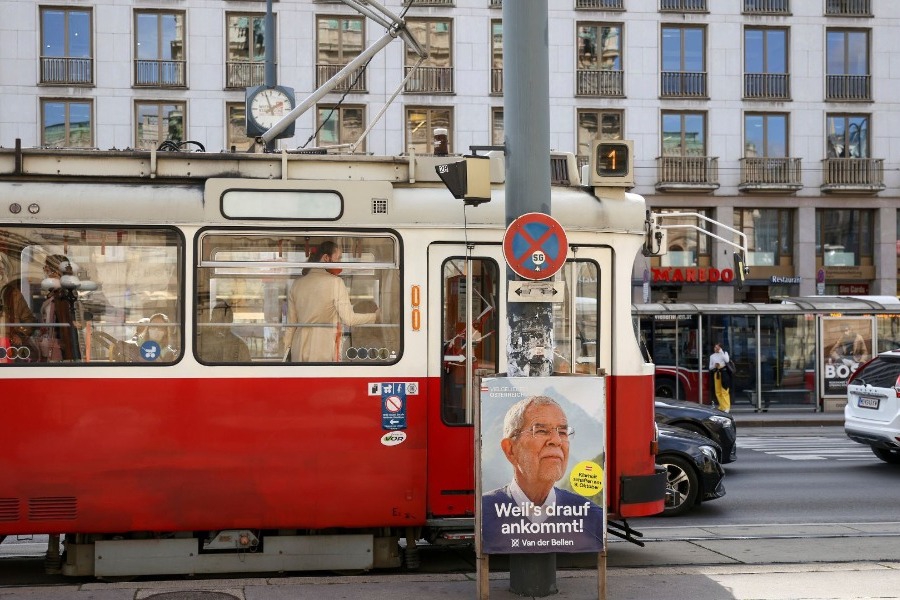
point(429, 2)
point(767, 86)
point(767, 7)
point(159, 73)
point(853, 175)
point(607, 84)
point(356, 78)
point(62, 70)
point(848, 8)
point(495, 4)
point(848, 88)
point(765, 174)
point(496, 81)
point(243, 74)
point(683, 6)
point(429, 80)
point(687, 173)
point(600, 4)
point(683, 84)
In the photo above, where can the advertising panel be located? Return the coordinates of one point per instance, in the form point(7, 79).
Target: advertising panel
point(846, 343)
point(543, 443)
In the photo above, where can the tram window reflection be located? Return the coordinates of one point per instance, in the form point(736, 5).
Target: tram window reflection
point(106, 279)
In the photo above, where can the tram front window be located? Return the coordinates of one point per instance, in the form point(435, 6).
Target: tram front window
point(575, 319)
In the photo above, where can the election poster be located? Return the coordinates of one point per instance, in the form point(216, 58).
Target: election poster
point(543, 443)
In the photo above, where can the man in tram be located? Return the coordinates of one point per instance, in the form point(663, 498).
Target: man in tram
point(318, 306)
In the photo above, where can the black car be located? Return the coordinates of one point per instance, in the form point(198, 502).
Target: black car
point(711, 422)
point(693, 472)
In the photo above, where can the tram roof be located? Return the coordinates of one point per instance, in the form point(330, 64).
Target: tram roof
point(794, 304)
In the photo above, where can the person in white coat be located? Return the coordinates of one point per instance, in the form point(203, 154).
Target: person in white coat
point(318, 307)
point(718, 366)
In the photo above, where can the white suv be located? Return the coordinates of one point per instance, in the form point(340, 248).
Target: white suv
point(872, 414)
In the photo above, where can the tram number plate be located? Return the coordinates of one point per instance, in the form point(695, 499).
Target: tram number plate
point(865, 402)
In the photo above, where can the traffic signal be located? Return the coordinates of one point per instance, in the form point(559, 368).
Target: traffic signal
point(468, 179)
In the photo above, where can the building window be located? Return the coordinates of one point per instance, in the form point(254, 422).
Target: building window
point(496, 56)
point(684, 134)
point(847, 136)
point(339, 41)
point(341, 126)
point(159, 51)
point(844, 237)
point(66, 46)
point(599, 60)
point(435, 74)
point(770, 233)
point(498, 136)
point(765, 135)
point(421, 121)
point(683, 62)
point(686, 245)
point(765, 63)
point(847, 65)
point(67, 124)
point(237, 127)
point(246, 41)
point(594, 124)
point(156, 122)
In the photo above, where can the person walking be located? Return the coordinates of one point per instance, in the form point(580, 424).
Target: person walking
point(718, 367)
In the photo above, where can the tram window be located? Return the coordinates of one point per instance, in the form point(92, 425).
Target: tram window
point(245, 311)
point(483, 277)
point(87, 291)
point(575, 324)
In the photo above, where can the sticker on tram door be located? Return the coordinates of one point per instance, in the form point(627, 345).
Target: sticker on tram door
point(393, 406)
point(393, 438)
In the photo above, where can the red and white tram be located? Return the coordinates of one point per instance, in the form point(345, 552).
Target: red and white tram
point(203, 447)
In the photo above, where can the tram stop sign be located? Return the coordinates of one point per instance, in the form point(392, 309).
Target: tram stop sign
point(535, 246)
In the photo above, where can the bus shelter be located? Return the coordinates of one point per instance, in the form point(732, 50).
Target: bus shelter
point(796, 353)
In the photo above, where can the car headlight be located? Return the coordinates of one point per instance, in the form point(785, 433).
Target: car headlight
point(710, 452)
point(723, 421)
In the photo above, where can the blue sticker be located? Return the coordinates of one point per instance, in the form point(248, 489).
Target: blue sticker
point(150, 350)
point(393, 406)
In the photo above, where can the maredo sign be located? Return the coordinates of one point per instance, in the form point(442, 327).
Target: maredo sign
point(692, 275)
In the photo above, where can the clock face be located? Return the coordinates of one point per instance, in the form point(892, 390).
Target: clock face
point(268, 107)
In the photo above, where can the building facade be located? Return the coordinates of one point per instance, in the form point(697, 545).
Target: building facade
point(776, 118)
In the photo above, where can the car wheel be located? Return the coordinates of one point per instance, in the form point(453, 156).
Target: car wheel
point(889, 456)
point(682, 485)
point(666, 388)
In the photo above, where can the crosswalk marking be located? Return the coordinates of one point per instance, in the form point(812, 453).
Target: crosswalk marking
point(808, 447)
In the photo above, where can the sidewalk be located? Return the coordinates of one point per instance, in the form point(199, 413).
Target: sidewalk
point(745, 416)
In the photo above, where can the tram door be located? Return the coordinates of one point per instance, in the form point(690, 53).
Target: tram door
point(465, 299)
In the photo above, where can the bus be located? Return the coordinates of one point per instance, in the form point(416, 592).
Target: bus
point(177, 433)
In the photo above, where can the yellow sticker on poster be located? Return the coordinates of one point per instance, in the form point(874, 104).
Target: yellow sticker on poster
point(586, 478)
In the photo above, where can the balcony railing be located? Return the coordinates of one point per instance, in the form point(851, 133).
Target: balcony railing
point(495, 4)
point(767, 7)
point(159, 73)
point(683, 84)
point(600, 4)
point(326, 72)
point(853, 175)
point(496, 80)
point(678, 173)
point(429, 2)
point(429, 80)
point(760, 173)
point(600, 83)
point(244, 74)
point(683, 6)
point(67, 71)
point(767, 86)
point(848, 87)
point(848, 8)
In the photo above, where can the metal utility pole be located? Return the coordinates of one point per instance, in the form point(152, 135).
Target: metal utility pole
point(526, 121)
point(270, 73)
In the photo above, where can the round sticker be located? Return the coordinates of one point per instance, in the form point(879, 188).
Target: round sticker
point(587, 478)
point(150, 350)
point(393, 438)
